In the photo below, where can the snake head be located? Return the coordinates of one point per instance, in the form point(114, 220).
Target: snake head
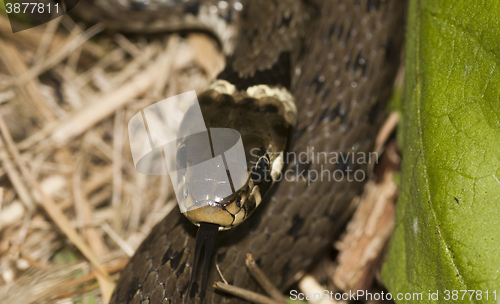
point(229, 168)
point(221, 186)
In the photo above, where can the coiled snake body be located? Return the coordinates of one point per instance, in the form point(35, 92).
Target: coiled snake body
point(339, 59)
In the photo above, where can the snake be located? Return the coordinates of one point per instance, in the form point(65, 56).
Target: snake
point(337, 61)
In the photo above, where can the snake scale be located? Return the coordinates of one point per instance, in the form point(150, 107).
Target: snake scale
point(339, 59)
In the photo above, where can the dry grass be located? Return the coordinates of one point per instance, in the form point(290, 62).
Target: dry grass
point(72, 207)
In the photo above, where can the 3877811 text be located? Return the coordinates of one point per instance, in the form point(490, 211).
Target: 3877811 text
point(31, 7)
point(463, 294)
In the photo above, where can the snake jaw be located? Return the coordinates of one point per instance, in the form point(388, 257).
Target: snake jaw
point(227, 214)
point(210, 214)
point(205, 238)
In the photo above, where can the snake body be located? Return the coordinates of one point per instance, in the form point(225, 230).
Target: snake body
point(339, 59)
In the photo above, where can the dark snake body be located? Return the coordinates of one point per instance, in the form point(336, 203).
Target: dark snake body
point(342, 57)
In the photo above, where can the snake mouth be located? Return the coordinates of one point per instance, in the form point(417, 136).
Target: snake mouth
point(205, 238)
point(228, 213)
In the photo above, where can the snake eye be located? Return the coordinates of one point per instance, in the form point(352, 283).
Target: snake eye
point(182, 156)
point(261, 169)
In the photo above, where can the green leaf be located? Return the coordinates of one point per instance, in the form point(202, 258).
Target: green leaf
point(447, 233)
point(91, 299)
point(64, 256)
point(2, 7)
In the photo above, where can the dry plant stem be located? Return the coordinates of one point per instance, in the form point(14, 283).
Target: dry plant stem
point(245, 294)
point(80, 292)
point(7, 96)
point(29, 89)
point(33, 262)
point(78, 81)
point(96, 243)
point(72, 63)
point(386, 130)
point(130, 48)
point(106, 150)
point(55, 292)
point(117, 163)
point(131, 69)
point(117, 239)
point(263, 281)
point(93, 112)
point(49, 206)
point(368, 232)
point(31, 39)
point(11, 215)
point(220, 273)
point(165, 67)
point(23, 231)
point(101, 197)
point(92, 184)
point(48, 36)
point(15, 178)
point(60, 55)
point(104, 106)
point(139, 202)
